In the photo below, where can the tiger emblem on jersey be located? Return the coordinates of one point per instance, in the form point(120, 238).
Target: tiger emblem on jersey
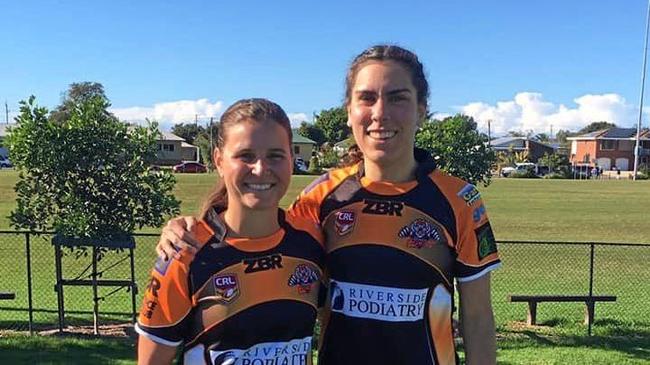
point(303, 277)
point(420, 233)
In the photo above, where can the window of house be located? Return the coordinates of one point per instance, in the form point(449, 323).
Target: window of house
point(159, 147)
point(168, 147)
point(296, 149)
point(607, 145)
point(645, 144)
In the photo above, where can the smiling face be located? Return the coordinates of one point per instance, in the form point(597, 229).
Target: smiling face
point(383, 112)
point(255, 164)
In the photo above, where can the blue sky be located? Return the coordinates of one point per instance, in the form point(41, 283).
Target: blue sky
point(524, 65)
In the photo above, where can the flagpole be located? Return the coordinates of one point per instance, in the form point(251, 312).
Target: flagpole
point(637, 147)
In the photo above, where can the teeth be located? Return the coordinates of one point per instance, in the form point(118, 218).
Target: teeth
point(382, 134)
point(259, 186)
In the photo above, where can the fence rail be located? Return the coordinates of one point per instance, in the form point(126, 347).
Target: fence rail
point(27, 268)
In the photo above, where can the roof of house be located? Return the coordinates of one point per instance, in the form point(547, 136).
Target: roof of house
point(297, 138)
point(185, 144)
point(613, 133)
point(169, 136)
point(506, 142)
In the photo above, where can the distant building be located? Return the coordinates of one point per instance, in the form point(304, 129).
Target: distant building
point(608, 148)
point(4, 130)
point(534, 148)
point(302, 147)
point(173, 149)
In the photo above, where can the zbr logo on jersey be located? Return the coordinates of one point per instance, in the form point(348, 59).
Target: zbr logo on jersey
point(226, 287)
point(303, 277)
point(344, 222)
point(420, 233)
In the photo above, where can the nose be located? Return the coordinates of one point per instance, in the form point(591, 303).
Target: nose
point(260, 167)
point(379, 110)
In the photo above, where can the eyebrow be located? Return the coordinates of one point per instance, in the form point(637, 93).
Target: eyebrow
point(391, 92)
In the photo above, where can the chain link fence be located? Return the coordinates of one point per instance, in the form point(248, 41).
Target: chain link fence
point(529, 268)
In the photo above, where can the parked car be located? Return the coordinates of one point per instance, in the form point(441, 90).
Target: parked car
point(190, 167)
point(4, 162)
point(299, 165)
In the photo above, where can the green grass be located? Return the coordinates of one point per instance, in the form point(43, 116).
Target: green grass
point(553, 210)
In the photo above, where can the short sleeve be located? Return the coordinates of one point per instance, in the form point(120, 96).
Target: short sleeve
point(476, 247)
point(307, 205)
point(166, 303)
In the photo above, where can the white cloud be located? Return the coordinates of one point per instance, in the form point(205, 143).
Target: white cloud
point(529, 111)
point(170, 113)
point(184, 111)
point(297, 118)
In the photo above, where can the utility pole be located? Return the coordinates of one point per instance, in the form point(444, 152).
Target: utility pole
point(196, 120)
point(637, 146)
point(6, 112)
point(211, 145)
point(551, 136)
point(489, 133)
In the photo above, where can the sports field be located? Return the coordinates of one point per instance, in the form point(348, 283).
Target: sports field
point(552, 210)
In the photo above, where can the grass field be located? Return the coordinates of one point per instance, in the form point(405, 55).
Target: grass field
point(553, 210)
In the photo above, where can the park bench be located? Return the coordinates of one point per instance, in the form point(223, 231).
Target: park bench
point(589, 300)
point(7, 296)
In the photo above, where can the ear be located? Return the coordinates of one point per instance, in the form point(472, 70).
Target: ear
point(217, 160)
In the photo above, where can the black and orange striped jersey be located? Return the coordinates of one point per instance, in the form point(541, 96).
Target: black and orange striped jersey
point(393, 253)
point(239, 301)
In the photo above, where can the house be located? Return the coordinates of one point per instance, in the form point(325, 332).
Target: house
point(610, 148)
point(173, 149)
point(302, 147)
point(4, 130)
point(534, 148)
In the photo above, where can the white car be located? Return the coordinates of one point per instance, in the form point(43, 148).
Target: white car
point(4, 162)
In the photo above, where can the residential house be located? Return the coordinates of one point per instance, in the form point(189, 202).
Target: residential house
point(610, 148)
point(534, 148)
point(302, 147)
point(173, 149)
point(4, 130)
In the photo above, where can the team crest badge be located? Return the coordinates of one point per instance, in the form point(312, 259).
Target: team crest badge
point(226, 287)
point(344, 222)
point(420, 233)
point(303, 277)
point(469, 194)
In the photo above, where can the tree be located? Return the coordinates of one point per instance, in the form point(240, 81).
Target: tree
point(458, 148)
point(334, 124)
point(188, 131)
point(312, 132)
point(596, 126)
point(88, 175)
point(554, 161)
point(77, 93)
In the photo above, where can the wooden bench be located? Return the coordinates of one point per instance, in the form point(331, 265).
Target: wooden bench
point(7, 296)
point(532, 300)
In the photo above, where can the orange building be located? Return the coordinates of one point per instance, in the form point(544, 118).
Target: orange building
point(610, 148)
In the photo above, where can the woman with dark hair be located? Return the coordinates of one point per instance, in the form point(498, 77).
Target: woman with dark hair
point(399, 233)
point(249, 292)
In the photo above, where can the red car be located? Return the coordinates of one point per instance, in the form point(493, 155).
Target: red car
point(190, 167)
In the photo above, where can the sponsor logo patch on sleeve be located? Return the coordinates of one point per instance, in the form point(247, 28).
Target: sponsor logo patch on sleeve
point(487, 244)
point(469, 193)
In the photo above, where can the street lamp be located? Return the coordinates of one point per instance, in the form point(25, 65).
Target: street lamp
point(637, 146)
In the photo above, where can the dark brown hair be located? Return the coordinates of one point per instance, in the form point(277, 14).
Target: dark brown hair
point(246, 110)
point(384, 52)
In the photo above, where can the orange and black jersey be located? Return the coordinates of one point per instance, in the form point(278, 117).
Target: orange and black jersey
point(239, 301)
point(393, 253)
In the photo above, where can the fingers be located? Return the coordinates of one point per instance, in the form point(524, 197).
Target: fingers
point(176, 236)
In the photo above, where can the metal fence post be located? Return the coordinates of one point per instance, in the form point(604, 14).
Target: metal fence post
point(591, 283)
point(30, 305)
